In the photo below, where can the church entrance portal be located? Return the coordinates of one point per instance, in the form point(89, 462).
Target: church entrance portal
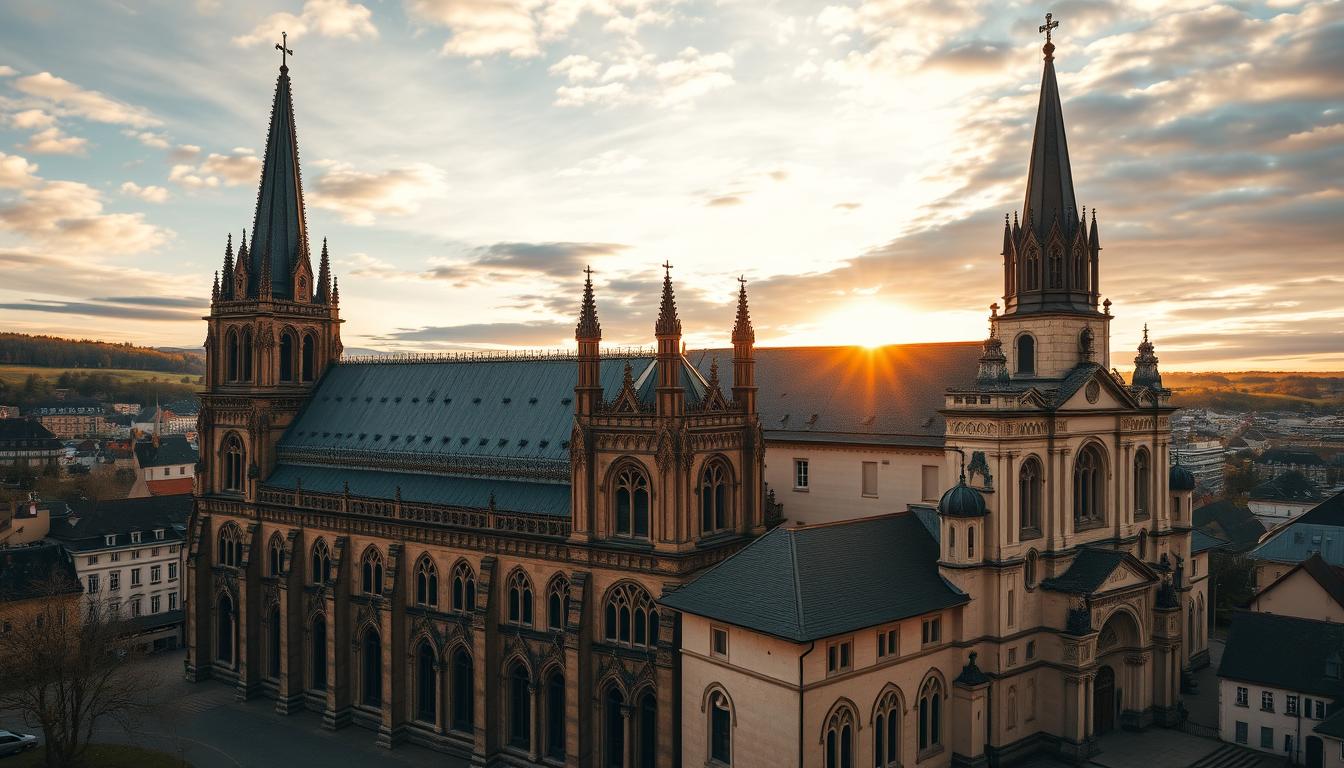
point(1103, 701)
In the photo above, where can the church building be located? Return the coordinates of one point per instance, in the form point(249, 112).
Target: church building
point(583, 559)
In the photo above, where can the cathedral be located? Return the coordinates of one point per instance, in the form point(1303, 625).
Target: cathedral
point(583, 559)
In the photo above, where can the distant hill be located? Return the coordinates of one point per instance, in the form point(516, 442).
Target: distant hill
point(1258, 391)
point(56, 352)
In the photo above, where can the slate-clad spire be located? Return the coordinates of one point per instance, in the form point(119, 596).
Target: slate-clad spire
point(228, 269)
point(280, 229)
point(324, 276)
point(588, 327)
point(1049, 179)
point(743, 333)
point(668, 323)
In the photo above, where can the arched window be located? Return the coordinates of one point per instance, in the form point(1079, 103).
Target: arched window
point(1056, 265)
point(632, 502)
point(1030, 487)
point(319, 653)
point(226, 629)
point(1012, 707)
point(273, 641)
point(613, 726)
point(840, 739)
point(1143, 545)
point(1089, 486)
point(714, 498)
point(557, 602)
point(1026, 354)
point(1143, 484)
point(1079, 270)
point(464, 588)
point(231, 355)
point(288, 349)
point(308, 363)
point(970, 542)
point(371, 665)
point(1032, 264)
point(1029, 569)
point(555, 715)
point(720, 729)
point(520, 707)
point(245, 355)
point(426, 683)
point(426, 582)
point(1201, 626)
point(951, 540)
point(233, 464)
point(275, 556)
point(373, 572)
point(646, 731)
point(520, 598)
point(464, 692)
point(631, 617)
point(887, 732)
point(320, 567)
point(230, 546)
point(930, 715)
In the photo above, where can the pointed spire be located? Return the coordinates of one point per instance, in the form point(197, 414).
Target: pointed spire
point(714, 373)
point(214, 289)
point(324, 276)
point(588, 328)
point(1049, 177)
point(993, 363)
point(743, 333)
point(280, 229)
point(335, 291)
point(668, 323)
point(1145, 365)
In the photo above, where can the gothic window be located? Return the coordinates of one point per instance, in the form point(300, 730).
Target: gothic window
point(231, 355)
point(234, 459)
point(720, 729)
point(372, 572)
point(320, 568)
point(371, 669)
point(230, 546)
point(555, 715)
point(319, 653)
point(1012, 707)
point(632, 502)
point(275, 556)
point(273, 641)
point(1026, 354)
point(930, 715)
point(288, 349)
point(840, 739)
point(646, 731)
point(1079, 272)
point(1055, 263)
point(887, 732)
point(1030, 487)
point(970, 542)
point(631, 618)
point(1089, 481)
point(308, 362)
point(714, 498)
point(225, 629)
point(464, 691)
point(426, 683)
point(245, 355)
point(520, 707)
point(426, 582)
point(520, 599)
point(557, 602)
point(1032, 264)
point(1029, 569)
point(1143, 484)
point(464, 588)
point(1143, 544)
point(613, 715)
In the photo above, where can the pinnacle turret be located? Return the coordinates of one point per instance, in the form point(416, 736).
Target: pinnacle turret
point(588, 327)
point(668, 323)
point(743, 333)
point(1145, 365)
point(993, 363)
point(324, 276)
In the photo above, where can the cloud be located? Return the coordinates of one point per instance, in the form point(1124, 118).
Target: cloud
point(360, 196)
point(724, 201)
point(640, 78)
point(149, 138)
point(514, 259)
point(241, 166)
point(120, 312)
point(151, 194)
point(971, 56)
point(31, 120)
point(72, 100)
point(53, 141)
point(16, 172)
point(612, 162)
point(328, 18)
point(6, 71)
point(482, 27)
point(512, 334)
point(68, 215)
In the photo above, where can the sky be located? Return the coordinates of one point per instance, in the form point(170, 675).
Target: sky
point(466, 159)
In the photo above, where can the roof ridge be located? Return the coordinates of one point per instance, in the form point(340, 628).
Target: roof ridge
point(847, 521)
point(797, 585)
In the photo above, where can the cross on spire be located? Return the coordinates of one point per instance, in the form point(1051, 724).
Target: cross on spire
point(283, 48)
point(588, 270)
point(1048, 25)
point(667, 267)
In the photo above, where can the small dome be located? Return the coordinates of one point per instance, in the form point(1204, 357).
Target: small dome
point(961, 500)
point(1181, 479)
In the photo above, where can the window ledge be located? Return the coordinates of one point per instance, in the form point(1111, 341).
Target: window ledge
point(1028, 534)
point(801, 489)
point(869, 495)
point(930, 752)
point(1090, 525)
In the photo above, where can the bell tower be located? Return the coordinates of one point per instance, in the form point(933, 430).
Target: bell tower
point(274, 324)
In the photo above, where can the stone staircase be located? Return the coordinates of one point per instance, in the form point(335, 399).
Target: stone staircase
point(1233, 756)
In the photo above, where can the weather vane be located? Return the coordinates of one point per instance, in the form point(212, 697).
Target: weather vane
point(283, 48)
point(1048, 25)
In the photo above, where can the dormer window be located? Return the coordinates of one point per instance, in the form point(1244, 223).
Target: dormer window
point(135, 537)
point(158, 534)
point(110, 539)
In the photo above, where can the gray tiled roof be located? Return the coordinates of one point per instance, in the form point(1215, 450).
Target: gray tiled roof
point(1290, 486)
point(1203, 542)
point(1088, 571)
point(1297, 541)
point(88, 524)
point(537, 498)
point(807, 583)
point(1283, 652)
point(171, 450)
point(27, 572)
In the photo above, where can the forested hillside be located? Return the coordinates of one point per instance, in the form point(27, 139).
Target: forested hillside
point(55, 352)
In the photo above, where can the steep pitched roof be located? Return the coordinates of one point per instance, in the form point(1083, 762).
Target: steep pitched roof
point(1297, 541)
point(1284, 652)
point(87, 526)
point(26, 571)
point(1203, 542)
point(171, 450)
point(28, 432)
point(535, 497)
point(1089, 571)
point(1229, 520)
point(1332, 726)
point(1328, 512)
point(1330, 578)
point(1290, 486)
point(280, 229)
point(807, 583)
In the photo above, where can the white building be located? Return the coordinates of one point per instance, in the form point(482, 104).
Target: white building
point(1204, 459)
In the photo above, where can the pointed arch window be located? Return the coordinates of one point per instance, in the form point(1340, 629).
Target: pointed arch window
point(464, 691)
point(372, 572)
point(520, 599)
point(1055, 263)
point(234, 460)
point(230, 546)
point(555, 715)
point(245, 355)
point(1030, 488)
point(464, 588)
point(371, 668)
point(840, 739)
point(714, 512)
point(1079, 269)
point(557, 603)
point(275, 556)
point(1089, 486)
point(320, 567)
point(318, 653)
point(887, 732)
point(273, 641)
point(426, 683)
point(426, 582)
point(1026, 354)
point(631, 618)
point(231, 355)
point(288, 351)
point(930, 715)
point(720, 729)
point(226, 629)
point(308, 359)
point(632, 502)
point(1143, 484)
point(1032, 267)
point(520, 707)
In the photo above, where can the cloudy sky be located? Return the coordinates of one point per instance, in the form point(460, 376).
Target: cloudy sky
point(467, 158)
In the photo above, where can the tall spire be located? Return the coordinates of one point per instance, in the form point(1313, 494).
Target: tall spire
point(1145, 365)
point(668, 323)
point(1049, 177)
point(993, 367)
point(280, 229)
point(324, 276)
point(228, 268)
point(588, 327)
point(743, 333)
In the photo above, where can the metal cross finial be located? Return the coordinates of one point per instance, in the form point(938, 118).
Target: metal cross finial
point(588, 270)
point(283, 48)
point(1048, 25)
point(667, 267)
point(742, 279)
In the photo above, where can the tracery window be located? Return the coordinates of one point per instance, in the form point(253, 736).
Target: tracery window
point(308, 363)
point(520, 598)
point(231, 355)
point(840, 739)
point(632, 502)
point(245, 355)
point(631, 618)
point(1029, 569)
point(1032, 265)
point(426, 582)
point(372, 572)
point(320, 567)
point(230, 545)
point(720, 729)
point(930, 715)
point(1089, 485)
point(1056, 265)
point(557, 602)
point(275, 556)
point(226, 629)
point(234, 460)
point(1143, 484)
point(520, 707)
point(426, 683)
point(288, 351)
point(1030, 487)
point(887, 732)
point(714, 498)
point(371, 668)
point(464, 691)
point(464, 588)
point(1079, 272)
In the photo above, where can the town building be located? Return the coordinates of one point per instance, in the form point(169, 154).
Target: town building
point(1312, 589)
point(1283, 498)
point(165, 465)
point(24, 522)
point(27, 444)
point(1277, 461)
point(69, 419)
point(36, 579)
point(1231, 521)
point(1205, 459)
point(1319, 531)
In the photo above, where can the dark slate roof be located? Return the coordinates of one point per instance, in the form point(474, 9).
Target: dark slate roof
point(26, 431)
point(540, 498)
point(1050, 194)
point(817, 581)
point(884, 396)
point(1328, 512)
point(1229, 520)
point(1088, 571)
point(87, 526)
point(1203, 542)
point(25, 571)
point(1288, 456)
point(172, 449)
point(1284, 652)
point(280, 229)
point(1290, 486)
point(1333, 725)
point(1329, 577)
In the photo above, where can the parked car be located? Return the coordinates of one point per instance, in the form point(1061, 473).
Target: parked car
point(14, 743)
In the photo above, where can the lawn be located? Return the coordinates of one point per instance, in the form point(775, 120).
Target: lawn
point(105, 756)
point(16, 374)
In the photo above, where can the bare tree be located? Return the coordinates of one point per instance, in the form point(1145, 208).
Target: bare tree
point(67, 669)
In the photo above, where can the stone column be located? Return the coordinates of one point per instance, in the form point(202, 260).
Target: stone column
point(627, 740)
point(247, 651)
point(534, 726)
point(970, 732)
point(1008, 513)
